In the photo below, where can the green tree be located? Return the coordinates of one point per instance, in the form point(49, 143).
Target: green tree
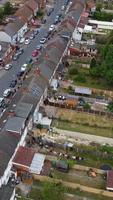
point(80, 78)
point(109, 77)
point(8, 8)
point(1, 15)
point(52, 191)
point(87, 106)
point(73, 71)
point(110, 107)
point(93, 63)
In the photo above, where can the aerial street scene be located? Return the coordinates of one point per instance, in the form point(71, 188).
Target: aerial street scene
point(56, 100)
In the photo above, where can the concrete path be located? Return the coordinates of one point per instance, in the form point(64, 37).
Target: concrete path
point(85, 137)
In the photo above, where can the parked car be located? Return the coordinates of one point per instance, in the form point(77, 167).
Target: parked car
point(1, 62)
point(29, 61)
point(22, 40)
point(8, 66)
point(19, 74)
point(35, 53)
point(44, 21)
point(43, 40)
point(24, 67)
point(32, 36)
point(27, 41)
point(2, 101)
point(13, 83)
point(20, 51)
point(50, 11)
point(7, 92)
point(52, 27)
point(39, 47)
point(36, 31)
point(63, 8)
point(16, 56)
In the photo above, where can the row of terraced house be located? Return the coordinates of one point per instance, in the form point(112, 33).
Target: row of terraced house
point(15, 129)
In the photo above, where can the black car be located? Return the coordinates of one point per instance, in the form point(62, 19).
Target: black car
point(29, 61)
point(20, 73)
point(20, 51)
point(50, 11)
point(39, 47)
point(47, 34)
point(36, 31)
point(13, 83)
point(44, 21)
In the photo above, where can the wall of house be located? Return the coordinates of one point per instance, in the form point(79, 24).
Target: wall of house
point(13, 195)
point(22, 31)
point(4, 37)
point(4, 179)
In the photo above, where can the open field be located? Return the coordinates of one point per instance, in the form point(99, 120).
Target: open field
point(83, 122)
point(81, 177)
point(88, 80)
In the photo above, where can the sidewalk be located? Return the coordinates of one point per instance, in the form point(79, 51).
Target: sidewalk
point(85, 137)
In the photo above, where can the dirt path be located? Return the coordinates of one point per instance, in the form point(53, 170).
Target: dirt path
point(85, 137)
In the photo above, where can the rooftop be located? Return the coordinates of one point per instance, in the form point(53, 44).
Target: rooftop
point(24, 156)
point(23, 109)
point(15, 125)
point(110, 180)
point(8, 144)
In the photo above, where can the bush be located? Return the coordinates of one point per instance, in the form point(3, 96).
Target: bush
point(80, 78)
point(73, 71)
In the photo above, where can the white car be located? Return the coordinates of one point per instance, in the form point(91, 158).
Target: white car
point(24, 67)
point(52, 27)
point(63, 8)
point(43, 40)
point(7, 92)
point(8, 66)
point(27, 41)
point(22, 40)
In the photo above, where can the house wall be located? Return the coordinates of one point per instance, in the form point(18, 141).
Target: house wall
point(4, 179)
point(4, 37)
point(38, 105)
point(22, 31)
point(13, 195)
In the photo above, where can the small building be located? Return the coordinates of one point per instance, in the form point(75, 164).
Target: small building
point(83, 91)
point(101, 25)
point(54, 84)
point(109, 185)
point(27, 160)
point(15, 125)
point(61, 165)
point(44, 121)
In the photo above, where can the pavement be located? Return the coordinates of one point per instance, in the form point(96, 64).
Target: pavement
point(85, 137)
point(6, 77)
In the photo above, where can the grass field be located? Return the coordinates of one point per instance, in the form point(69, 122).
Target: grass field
point(84, 123)
point(90, 81)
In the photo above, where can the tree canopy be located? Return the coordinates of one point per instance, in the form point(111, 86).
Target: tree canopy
point(52, 191)
point(8, 9)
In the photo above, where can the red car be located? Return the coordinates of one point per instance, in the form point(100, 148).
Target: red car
point(35, 53)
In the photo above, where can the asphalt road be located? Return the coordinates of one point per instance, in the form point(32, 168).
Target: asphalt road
point(6, 77)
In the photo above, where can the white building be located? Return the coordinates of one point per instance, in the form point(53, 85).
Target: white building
point(101, 25)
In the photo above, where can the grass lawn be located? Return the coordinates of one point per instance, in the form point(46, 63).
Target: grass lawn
point(90, 81)
point(88, 196)
point(83, 122)
point(81, 177)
